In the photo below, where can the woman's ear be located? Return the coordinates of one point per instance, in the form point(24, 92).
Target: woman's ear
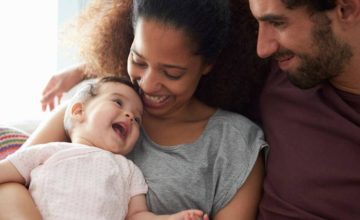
point(77, 111)
point(207, 68)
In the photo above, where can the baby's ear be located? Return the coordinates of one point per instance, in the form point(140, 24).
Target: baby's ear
point(77, 111)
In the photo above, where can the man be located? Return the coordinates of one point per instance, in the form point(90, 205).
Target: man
point(310, 108)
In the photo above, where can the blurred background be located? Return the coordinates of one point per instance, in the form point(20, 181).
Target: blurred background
point(30, 53)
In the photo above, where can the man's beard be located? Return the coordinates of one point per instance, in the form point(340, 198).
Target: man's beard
point(332, 57)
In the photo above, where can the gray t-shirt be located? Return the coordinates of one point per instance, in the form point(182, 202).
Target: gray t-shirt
point(205, 174)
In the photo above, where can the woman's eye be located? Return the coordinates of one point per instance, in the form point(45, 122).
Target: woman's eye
point(172, 76)
point(139, 64)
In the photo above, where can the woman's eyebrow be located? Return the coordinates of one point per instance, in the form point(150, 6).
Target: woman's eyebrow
point(135, 52)
point(163, 64)
point(174, 66)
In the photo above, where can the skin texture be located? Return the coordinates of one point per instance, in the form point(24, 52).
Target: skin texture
point(179, 108)
point(299, 41)
point(233, 82)
point(187, 116)
point(310, 47)
point(92, 123)
point(165, 67)
point(115, 104)
point(24, 208)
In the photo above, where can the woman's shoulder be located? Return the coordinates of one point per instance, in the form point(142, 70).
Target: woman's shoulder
point(235, 120)
point(234, 127)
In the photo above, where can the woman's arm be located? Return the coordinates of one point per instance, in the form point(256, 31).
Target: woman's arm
point(61, 83)
point(245, 203)
point(9, 173)
point(15, 200)
point(16, 203)
point(138, 210)
point(50, 130)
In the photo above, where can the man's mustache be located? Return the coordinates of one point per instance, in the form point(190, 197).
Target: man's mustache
point(282, 53)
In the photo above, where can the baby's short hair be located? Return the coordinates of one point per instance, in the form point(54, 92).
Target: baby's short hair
point(91, 90)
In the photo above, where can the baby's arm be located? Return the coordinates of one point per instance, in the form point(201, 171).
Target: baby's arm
point(23, 161)
point(8, 173)
point(138, 210)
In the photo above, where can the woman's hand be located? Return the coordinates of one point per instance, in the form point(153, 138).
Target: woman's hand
point(59, 84)
point(191, 214)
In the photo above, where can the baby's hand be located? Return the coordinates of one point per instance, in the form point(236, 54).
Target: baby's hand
point(191, 214)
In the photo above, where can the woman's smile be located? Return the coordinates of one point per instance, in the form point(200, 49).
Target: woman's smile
point(154, 101)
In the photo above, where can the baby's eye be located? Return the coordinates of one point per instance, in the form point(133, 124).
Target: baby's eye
point(119, 102)
point(137, 120)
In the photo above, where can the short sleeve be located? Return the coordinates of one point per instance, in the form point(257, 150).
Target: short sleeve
point(236, 156)
point(27, 159)
point(137, 182)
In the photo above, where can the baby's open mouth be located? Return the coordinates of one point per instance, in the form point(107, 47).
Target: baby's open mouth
point(121, 129)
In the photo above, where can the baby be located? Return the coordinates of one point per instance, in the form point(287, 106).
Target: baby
point(90, 178)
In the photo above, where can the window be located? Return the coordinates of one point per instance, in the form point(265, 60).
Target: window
point(29, 53)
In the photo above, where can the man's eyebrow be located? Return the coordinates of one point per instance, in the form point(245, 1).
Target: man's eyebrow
point(272, 17)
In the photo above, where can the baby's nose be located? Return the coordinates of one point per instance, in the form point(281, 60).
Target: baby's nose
point(130, 116)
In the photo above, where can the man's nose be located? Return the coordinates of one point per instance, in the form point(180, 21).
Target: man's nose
point(266, 42)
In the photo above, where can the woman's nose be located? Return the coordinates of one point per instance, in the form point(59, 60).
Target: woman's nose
point(150, 81)
point(267, 44)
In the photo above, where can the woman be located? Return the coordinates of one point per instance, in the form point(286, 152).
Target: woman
point(193, 154)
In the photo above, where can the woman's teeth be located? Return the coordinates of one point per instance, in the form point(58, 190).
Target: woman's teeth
point(157, 99)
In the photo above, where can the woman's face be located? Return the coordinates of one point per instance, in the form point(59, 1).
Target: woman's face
point(163, 63)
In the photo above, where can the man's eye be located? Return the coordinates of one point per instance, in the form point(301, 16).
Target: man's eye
point(277, 23)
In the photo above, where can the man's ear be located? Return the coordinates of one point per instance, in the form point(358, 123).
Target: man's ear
point(77, 111)
point(348, 10)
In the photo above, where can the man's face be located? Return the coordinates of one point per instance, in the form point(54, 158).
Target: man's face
point(304, 46)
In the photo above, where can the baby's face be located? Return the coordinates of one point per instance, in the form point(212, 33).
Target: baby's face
point(113, 118)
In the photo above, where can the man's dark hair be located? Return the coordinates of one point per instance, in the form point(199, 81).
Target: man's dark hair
point(312, 5)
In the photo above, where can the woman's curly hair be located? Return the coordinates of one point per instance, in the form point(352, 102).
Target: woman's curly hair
point(106, 34)
point(103, 33)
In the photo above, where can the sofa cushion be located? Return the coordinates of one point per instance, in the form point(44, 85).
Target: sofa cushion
point(11, 139)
